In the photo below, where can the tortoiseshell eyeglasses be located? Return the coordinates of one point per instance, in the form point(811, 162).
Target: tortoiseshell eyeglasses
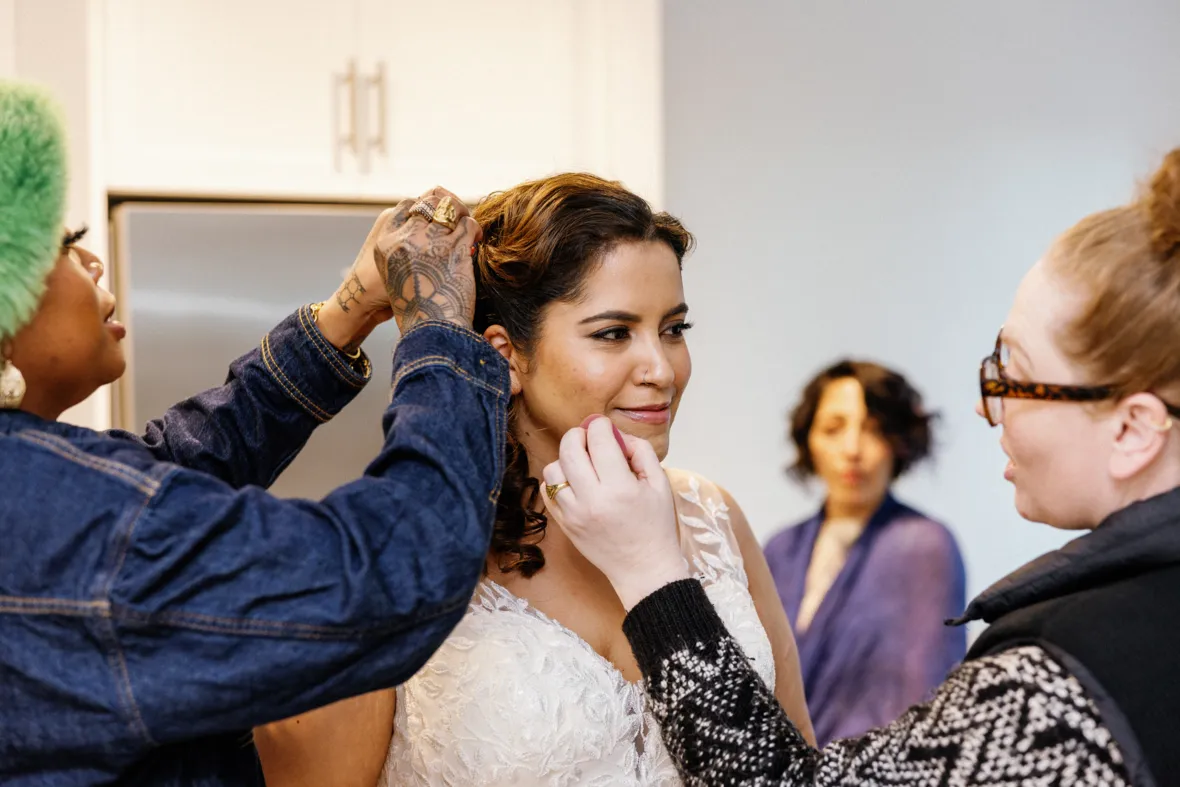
point(995, 386)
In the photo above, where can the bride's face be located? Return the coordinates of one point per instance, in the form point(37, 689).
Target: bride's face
point(618, 350)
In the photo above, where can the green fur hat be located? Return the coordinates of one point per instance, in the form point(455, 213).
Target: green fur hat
point(32, 198)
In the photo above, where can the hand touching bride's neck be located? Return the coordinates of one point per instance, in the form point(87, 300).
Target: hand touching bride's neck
point(561, 556)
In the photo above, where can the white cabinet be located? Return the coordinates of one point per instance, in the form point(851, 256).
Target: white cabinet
point(481, 97)
point(229, 96)
point(378, 99)
point(620, 104)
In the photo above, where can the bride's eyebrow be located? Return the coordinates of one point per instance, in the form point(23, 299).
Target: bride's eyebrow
point(616, 315)
point(613, 316)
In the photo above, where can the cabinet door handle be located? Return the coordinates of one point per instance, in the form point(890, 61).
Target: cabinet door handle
point(377, 82)
point(348, 81)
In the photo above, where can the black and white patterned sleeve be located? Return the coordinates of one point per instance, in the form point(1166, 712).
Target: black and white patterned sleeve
point(1014, 718)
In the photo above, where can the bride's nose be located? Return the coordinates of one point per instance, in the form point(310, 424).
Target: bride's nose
point(653, 368)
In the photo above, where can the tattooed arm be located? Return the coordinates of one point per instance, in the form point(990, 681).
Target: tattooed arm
point(360, 303)
point(426, 267)
point(410, 269)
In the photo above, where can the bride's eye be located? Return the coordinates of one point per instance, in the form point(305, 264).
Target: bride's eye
point(678, 330)
point(612, 334)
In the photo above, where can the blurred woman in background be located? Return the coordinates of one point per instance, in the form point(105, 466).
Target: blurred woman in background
point(867, 581)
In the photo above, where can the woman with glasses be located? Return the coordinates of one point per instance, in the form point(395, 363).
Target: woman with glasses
point(1074, 682)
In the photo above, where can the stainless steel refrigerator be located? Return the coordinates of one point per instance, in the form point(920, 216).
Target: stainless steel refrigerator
point(200, 283)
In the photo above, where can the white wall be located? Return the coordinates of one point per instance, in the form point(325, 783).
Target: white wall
point(874, 179)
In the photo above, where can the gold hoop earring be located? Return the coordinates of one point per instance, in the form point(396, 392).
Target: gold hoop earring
point(1165, 426)
point(12, 382)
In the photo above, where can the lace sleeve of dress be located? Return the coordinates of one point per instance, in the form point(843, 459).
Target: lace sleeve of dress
point(706, 535)
point(1014, 718)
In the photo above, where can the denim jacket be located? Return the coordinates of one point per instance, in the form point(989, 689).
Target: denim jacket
point(156, 603)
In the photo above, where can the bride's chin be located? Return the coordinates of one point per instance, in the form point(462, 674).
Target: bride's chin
point(660, 443)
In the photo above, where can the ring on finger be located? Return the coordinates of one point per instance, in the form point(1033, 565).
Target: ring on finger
point(424, 209)
point(552, 490)
point(446, 214)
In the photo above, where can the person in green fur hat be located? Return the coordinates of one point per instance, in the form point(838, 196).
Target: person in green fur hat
point(156, 604)
point(58, 342)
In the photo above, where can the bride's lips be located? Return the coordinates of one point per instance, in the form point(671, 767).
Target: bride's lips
point(656, 414)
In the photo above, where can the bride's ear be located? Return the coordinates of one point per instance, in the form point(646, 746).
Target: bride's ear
point(498, 338)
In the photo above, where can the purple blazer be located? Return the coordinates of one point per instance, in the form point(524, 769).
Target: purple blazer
point(877, 643)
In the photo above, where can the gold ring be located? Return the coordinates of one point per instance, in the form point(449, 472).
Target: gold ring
point(446, 214)
point(551, 490)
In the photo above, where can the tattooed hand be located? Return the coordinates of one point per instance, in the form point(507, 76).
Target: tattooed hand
point(426, 267)
point(360, 303)
point(363, 289)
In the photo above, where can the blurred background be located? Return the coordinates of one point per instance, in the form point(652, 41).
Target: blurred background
point(865, 179)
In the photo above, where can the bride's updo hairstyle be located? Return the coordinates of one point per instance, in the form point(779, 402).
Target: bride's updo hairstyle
point(541, 240)
point(1127, 263)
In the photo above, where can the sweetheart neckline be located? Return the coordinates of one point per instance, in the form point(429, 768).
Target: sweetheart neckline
point(533, 612)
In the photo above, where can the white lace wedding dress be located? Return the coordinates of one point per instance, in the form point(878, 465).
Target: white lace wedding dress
point(515, 699)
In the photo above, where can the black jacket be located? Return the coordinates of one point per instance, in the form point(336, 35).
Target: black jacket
point(1107, 606)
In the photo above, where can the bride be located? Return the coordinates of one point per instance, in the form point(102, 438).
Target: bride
point(580, 289)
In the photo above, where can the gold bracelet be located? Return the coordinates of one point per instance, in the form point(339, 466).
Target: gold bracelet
point(315, 316)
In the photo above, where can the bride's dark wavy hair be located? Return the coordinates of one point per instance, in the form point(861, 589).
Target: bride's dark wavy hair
point(541, 240)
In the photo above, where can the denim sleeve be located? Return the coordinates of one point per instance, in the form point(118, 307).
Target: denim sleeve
point(234, 608)
point(248, 430)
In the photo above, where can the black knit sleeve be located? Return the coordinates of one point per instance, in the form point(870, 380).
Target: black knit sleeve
point(1014, 718)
